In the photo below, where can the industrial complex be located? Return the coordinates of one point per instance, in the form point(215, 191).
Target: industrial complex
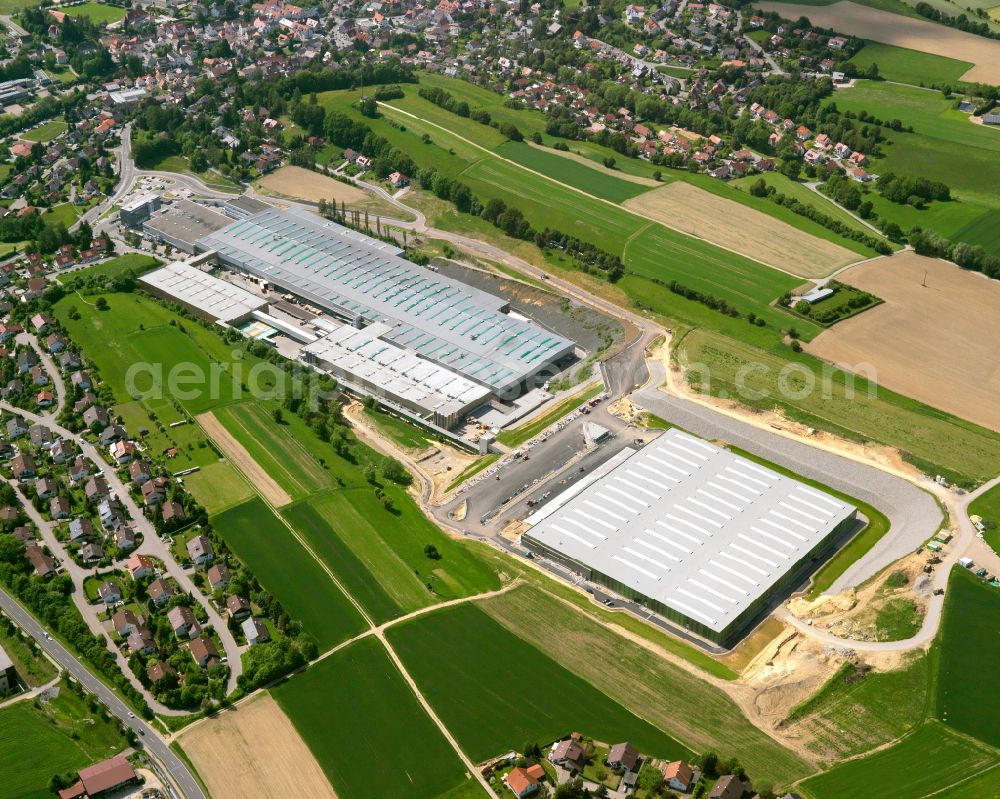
point(699, 535)
point(346, 304)
point(362, 280)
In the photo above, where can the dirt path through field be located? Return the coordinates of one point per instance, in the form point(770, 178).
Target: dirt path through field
point(742, 229)
point(934, 338)
point(580, 159)
point(243, 460)
point(253, 750)
point(915, 34)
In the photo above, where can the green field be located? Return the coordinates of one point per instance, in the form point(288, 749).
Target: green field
point(494, 691)
point(113, 267)
point(931, 759)
point(944, 146)
point(98, 13)
point(910, 66)
point(405, 434)
point(987, 505)
point(189, 441)
point(379, 555)
point(927, 437)
point(282, 455)
point(288, 571)
point(970, 646)
point(895, 6)
point(565, 170)
point(700, 715)
point(65, 214)
point(36, 743)
point(853, 714)
point(984, 786)
point(366, 729)
point(30, 664)
point(45, 132)
point(218, 486)
point(139, 334)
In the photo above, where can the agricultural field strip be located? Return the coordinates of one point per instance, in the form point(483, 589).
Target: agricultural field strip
point(585, 194)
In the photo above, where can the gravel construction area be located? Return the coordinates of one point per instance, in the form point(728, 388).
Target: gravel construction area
point(915, 34)
point(913, 514)
point(934, 338)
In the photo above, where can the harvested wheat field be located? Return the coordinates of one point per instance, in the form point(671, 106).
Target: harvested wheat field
point(237, 454)
point(298, 183)
point(740, 228)
point(935, 343)
point(915, 34)
point(253, 750)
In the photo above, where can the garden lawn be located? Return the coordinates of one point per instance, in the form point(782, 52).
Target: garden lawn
point(689, 708)
point(970, 646)
point(910, 66)
point(98, 13)
point(366, 728)
point(286, 569)
point(494, 691)
point(45, 132)
point(987, 506)
point(379, 554)
point(931, 759)
point(65, 214)
point(191, 445)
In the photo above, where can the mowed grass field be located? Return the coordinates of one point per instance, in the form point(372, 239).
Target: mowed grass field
point(944, 146)
point(45, 132)
point(379, 555)
point(98, 13)
point(641, 680)
point(218, 486)
point(910, 66)
point(62, 735)
point(286, 569)
point(932, 759)
point(494, 691)
point(367, 730)
point(970, 645)
point(140, 336)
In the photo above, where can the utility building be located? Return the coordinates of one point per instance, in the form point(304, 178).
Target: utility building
point(698, 534)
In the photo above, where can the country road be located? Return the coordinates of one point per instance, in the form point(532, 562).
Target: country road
point(148, 738)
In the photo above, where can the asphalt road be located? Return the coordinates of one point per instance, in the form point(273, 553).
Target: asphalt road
point(148, 739)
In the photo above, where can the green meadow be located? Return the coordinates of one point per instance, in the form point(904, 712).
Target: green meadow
point(367, 730)
point(286, 569)
point(494, 691)
point(903, 65)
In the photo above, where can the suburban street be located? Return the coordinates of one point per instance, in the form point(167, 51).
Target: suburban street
point(148, 738)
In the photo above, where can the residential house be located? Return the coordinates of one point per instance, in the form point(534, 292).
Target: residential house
point(140, 566)
point(623, 757)
point(160, 591)
point(568, 754)
point(255, 631)
point(61, 451)
point(204, 652)
point(678, 776)
point(92, 552)
point(109, 593)
point(59, 507)
point(81, 529)
point(521, 783)
point(729, 786)
point(16, 427)
point(124, 621)
point(125, 539)
point(138, 471)
point(95, 417)
point(46, 487)
point(183, 622)
point(152, 493)
point(41, 563)
point(200, 550)
point(173, 511)
point(40, 436)
point(218, 576)
point(158, 670)
point(96, 489)
point(141, 640)
point(238, 607)
point(23, 467)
